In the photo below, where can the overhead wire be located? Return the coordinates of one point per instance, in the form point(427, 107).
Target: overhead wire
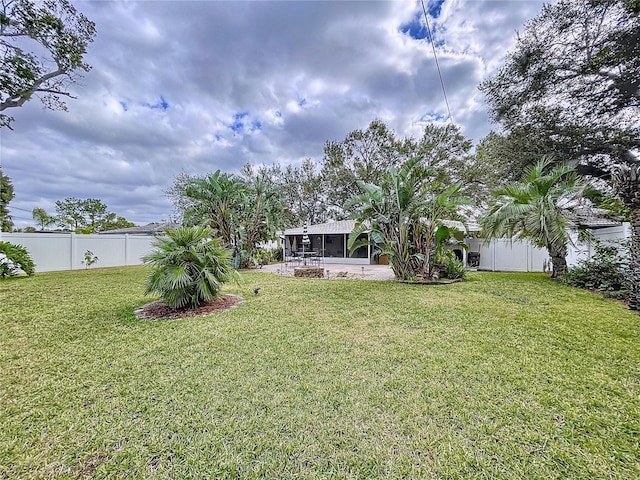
point(435, 56)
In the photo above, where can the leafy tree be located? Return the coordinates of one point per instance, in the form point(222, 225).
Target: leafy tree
point(538, 208)
point(368, 155)
point(113, 222)
point(188, 267)
point(402, 215)
point(365, 155)
point(6, 195)
point(508, 155)
point(573, 81)
point(95, 212)
point(447, 155)
point(300, 188)
point(177, 193)
point(70, 214)
point(87, 216)
point(42, 218)
point(58, 36)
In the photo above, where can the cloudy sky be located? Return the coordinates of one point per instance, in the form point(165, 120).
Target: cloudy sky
point(200, 86)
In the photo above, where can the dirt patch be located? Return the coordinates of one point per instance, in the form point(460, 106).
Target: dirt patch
point(309, 272)
point(432, 282)
point(160, 311)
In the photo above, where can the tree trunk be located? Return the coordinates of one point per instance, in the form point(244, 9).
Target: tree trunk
point(634, 261)
point(627, 179)
point(558, 256)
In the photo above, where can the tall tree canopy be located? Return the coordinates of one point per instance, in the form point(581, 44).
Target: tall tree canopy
point(368, 155)
point(6, 195)
point(42, 218)
point(573, 83)
point(86, 216)
point(365, 155)
point(574, 77)
point(300, 188)
point(42, 44)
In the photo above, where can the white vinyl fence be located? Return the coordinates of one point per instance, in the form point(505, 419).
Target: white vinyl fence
point(65, 251)
point(503, 254)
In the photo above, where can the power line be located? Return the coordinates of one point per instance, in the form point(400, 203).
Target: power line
point(22, 209)
point(444, 92)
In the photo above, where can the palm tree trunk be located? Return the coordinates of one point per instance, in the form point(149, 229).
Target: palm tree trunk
point(627, 178)
point(558, 254)
point(634, 261)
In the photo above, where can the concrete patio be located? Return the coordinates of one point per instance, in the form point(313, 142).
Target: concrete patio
point(339, 270)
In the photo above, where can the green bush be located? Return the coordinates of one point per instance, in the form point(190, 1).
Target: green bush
point(263, 256)
point(14, 258)
point(606, 270)
point(188, 267)
point(454, 268)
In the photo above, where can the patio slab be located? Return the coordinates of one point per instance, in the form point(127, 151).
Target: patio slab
point(339, 270)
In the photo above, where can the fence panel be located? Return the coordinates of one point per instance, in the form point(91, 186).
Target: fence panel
point(109, 250)
point(65, 251)
point(49, 251)
point(137, 247)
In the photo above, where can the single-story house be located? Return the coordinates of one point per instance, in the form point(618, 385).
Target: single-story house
point(329, 241)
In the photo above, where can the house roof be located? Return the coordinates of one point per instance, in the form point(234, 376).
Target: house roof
point(340, 227)
point(592, 217)
point(153, 228)
point(347, 226)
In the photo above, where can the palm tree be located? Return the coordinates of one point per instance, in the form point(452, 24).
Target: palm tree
point(538, 209)
point(188, 267)
point(401, 217)
point(242, 212)
point(214, 202)
point(261, 215)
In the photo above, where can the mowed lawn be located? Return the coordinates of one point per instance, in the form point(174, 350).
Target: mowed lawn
point(502, 376)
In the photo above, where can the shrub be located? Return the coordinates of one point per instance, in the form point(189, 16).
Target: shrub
point(188, 267)
point(264, 256)
point(605, 270)
point(14, 258)
point(454, 268)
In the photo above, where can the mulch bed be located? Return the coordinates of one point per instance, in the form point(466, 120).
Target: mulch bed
point(431, 282)
point(159, 310)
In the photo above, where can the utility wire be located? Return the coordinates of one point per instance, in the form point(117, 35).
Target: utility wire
point(444, 92)
point(22, 209)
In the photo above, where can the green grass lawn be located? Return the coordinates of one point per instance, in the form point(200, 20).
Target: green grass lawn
point(502, 376)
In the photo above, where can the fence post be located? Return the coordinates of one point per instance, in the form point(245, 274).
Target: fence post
point(126, 249)
point(494, 244)
point(72, 237)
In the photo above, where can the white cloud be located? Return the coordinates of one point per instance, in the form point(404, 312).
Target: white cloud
point(305, 72)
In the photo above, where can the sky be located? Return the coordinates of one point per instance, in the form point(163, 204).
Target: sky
point(182, 86)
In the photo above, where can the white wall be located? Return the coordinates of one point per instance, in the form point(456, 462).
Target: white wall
point(65, 251)
point(503, 254)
